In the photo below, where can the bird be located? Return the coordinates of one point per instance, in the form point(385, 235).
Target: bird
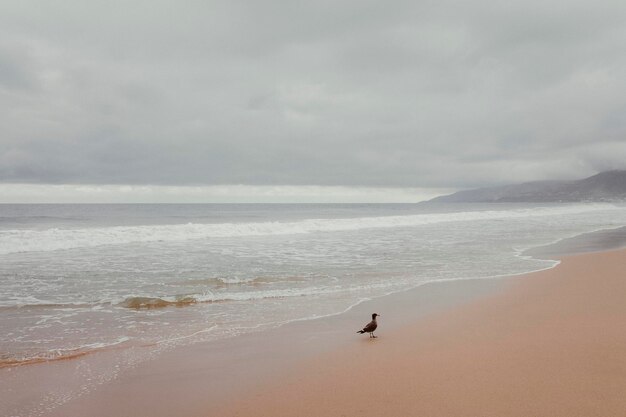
point(371, 326)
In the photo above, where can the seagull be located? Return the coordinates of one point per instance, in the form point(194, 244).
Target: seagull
point(371, 326)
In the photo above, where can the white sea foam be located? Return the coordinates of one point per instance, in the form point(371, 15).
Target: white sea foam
point(14, 241)
point(151, 302)
point(145, 298)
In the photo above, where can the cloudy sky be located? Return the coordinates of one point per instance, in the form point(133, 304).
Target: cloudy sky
point(287, 97)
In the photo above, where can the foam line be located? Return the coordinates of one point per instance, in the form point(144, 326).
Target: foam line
point(13, 241)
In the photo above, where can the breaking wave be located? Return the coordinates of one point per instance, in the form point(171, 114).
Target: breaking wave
point(61, 354)
point(155, 302)
point(14, 241)
point(182, 301)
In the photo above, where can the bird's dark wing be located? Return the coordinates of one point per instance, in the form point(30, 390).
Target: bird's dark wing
point(370, 327)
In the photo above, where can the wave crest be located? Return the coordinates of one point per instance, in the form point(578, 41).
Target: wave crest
point(138, 303)
point(18, 240)
point(62, 354)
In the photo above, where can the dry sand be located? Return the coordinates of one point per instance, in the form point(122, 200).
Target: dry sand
point(199, 379)
point(552, 344)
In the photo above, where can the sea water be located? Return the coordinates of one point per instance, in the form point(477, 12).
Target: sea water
point(75, 279)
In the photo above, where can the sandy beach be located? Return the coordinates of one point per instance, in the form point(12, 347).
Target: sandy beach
point(549, 343)
point(552, 343)
point(202, 203)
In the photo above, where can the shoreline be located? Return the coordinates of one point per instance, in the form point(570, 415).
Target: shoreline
point(247, 362)
point(216, 373)
point(550, 344)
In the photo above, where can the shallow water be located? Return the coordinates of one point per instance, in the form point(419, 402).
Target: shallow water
point(81, 278)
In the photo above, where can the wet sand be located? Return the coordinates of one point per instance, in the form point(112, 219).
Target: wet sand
point(552, 343)
point(200, 379)
point(547, 343)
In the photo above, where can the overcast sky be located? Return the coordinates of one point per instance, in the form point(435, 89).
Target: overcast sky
point(385, 94)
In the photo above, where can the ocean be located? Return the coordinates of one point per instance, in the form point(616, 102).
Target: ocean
point(146, 278)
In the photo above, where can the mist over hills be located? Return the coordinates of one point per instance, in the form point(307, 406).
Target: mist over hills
point(605, 186)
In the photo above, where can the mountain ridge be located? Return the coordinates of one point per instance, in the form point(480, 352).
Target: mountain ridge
point(604, 186)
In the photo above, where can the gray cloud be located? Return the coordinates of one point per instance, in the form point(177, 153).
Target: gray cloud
point(402, 93)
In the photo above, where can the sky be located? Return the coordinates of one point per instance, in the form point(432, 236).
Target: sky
point(323, 100)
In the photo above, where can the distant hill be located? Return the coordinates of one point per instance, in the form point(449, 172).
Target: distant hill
point(606, 186)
